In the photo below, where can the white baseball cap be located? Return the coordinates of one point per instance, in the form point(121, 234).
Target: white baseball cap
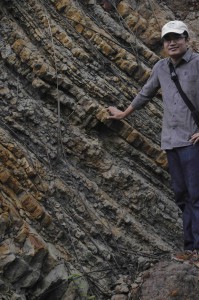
point(174, 26)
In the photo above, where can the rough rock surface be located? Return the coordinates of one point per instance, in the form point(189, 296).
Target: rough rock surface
point(84, 202)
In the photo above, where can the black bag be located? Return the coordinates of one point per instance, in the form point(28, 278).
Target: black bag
point(174, 77)
point(195, 115)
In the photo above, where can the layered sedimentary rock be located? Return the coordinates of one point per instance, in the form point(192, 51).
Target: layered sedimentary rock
point(83, 199)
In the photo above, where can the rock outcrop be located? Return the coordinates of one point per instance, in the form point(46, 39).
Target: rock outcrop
point(84, 201)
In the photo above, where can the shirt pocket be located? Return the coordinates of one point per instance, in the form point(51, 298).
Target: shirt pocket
point(189, 76)
point(190, 84)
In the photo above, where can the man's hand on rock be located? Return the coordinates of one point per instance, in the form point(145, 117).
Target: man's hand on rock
point(115, 113)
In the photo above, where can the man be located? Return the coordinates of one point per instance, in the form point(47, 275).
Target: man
point(180, 135)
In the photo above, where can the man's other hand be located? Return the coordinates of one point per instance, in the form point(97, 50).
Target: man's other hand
point(195, 138)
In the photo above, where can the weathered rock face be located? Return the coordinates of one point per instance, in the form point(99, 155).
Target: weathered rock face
point(82, 199)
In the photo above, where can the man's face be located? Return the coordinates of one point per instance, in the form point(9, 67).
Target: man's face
point(175, 45)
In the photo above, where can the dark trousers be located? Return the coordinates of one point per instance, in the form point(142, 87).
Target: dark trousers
point(184, 169)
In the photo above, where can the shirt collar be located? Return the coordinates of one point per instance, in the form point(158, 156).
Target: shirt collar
point(186, 57)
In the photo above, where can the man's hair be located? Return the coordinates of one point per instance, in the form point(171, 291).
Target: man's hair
point(185, 33)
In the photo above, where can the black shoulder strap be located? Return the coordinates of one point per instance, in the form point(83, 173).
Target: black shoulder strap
point(175, 79)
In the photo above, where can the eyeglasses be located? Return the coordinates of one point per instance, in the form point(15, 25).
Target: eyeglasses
point(173, 37)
